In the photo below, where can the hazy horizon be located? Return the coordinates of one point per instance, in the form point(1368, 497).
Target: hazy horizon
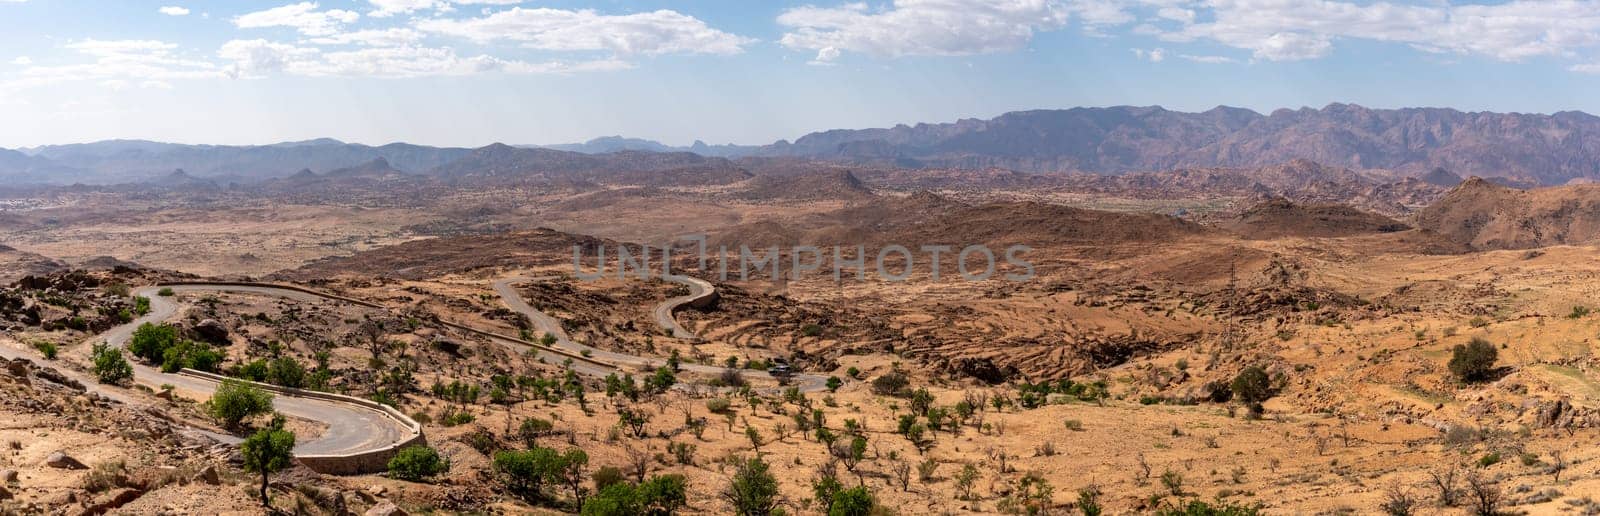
point(467, 72)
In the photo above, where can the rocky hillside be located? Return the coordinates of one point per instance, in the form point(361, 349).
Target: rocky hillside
point(1550, 149)
point(1278, 218)
point(1484, 215)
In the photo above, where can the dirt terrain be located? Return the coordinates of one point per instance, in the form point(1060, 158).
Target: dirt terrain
point(1285, 346)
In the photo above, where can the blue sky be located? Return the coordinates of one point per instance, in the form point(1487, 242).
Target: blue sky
point(472, 72)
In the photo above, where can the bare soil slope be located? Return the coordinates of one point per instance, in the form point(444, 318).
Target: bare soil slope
point(1278, 218)
point(1486, 216)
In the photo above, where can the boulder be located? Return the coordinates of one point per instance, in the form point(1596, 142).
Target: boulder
point(19, 367)
point(447, 346)
point(5, 494)
point(208, 476)
point(61, 460)
point(211, 331)
point(8, 476)
point(385, 508)
point(115, 499)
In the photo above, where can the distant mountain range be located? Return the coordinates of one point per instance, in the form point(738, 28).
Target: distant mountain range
point(1434, 144)
point(1548, 149)
point(618, 143)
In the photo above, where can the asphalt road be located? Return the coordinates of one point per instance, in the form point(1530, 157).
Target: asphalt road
point(350, 428)
point(355, 428)
point(543, 323)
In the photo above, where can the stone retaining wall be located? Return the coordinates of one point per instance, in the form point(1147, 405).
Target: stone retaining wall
point(370, 461)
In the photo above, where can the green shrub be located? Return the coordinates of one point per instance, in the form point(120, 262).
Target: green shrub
point(141, 305)
point(718, 405)
point(47, 348)
point(890, 384)
point(165, 292)
point(1473, 361)
point(415, 463)
point(659, 496)
point(1252, 385)
point(109, 366)
point(150, 341)
point(255, 371)
point(752, 490)
point(287, 372)
point(607, 476)
point(234, 401)
point(191, 355)
point(1201, 508)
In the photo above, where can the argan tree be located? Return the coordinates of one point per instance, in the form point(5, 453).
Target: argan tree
point(1473, 361)
point(234, 401)
point(753, 491)
point(270, 450)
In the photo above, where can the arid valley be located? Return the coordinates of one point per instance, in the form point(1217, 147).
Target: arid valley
point(1289, 337)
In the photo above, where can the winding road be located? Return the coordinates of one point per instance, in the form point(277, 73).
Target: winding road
point(357, 427)
point(698, 289)
point(350, 428)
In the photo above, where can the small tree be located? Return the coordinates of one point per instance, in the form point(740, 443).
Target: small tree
point(531, 429)
point(834, 383)
point(1445, 482)
point(287, 372)
point(415, 463)
point(754, 436)
point(573, 463)
point(856, 501)
point(235, 400)
point(1089, 501)
point(109, 366)
point(1398, 501)
point(1484, 495)
point(753, 491)
point(525, 472)
point(1173, 481)
point(965, 480)
point(270, 450)
point(1473, 361)
point(662, 495)
point(633, 420)
point(1252, 385)
point(150, 341)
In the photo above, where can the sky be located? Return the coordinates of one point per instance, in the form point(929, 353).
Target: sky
point(474, 72)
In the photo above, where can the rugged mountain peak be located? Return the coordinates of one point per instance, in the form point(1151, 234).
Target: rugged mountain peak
point(1441, 177)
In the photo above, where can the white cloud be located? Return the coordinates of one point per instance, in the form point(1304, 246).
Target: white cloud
point(1282, 30)
point(1591, 68)
point(386, 8)
point(117, 64)
point(1154, 55)
point(1208, 59)
point(302, 16)
point(1100, 12)
point(172, 10)
point(825, 56)
point(922, 27)
point(371, 37)
point(1177, 14)
point(22, 61)
point(651, 33)
point(258, 58)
